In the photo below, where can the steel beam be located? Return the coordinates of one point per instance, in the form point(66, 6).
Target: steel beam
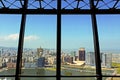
point(63, 11)
point(96, 42)
point(2, 3)
point(20, 45)
point(58, 70)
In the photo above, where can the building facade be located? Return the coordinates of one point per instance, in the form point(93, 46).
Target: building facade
point(41, 62)
point(107, 60)
point(81, 54)
point(39, 52)
point(90, 59)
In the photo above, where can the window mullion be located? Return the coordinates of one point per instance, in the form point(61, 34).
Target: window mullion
point(58, 70)
point(96, 41)
point(21, 41)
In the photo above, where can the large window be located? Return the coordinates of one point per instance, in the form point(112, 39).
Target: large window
point(77, 54)
point(9, 35)
point(108, 29)
point(59, 40)
point(39, 55)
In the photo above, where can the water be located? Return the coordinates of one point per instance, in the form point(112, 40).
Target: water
point(42, 72)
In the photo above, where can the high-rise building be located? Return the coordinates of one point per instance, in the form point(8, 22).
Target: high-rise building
point(68, 59)
point(73, 54)
point(90, 59)
point(62, 58)
point(39, 52)
point(107, 60)
point(41, 62)
point(76, 58)
point(103, 60)
point(81, 54)
point(1, 52)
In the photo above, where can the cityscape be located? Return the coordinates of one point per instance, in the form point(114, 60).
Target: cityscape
point(77, 47)
point(45, 60)
point(85, 33)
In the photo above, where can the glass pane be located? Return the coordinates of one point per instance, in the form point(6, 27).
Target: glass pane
point(7, 78)
point(39, 54)
point(38, 78)
point(108, 28)
point(80, 78)
point(77, 55)
point(9, 34)
point(111, 78)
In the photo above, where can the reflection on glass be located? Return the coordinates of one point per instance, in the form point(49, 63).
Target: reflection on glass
point(111, 78)
point(108, 29)
point(9, 34)
point(7, 78)
point(36, 78)
point(39, 54)
point(79, 78)
point(77, 55)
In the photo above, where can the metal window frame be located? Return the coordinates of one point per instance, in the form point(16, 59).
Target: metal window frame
point(93, 11)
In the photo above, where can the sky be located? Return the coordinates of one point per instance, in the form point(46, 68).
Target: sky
point(40, 31)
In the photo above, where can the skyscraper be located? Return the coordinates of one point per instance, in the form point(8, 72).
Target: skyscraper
point(41, 62)
point(107, 60)
point(81, 54)
point(1, 52)
point(39, 52)
point(90, 59)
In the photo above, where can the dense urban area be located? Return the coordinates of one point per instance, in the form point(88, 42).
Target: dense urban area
point(45, 59)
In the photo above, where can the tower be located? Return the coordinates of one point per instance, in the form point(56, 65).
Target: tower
point(41, 60)
point(81, 54)
point(39, 52)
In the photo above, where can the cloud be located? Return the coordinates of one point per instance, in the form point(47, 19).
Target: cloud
point(13, 37)
point(31, 37)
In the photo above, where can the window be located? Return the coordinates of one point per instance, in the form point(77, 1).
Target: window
point(50, 37)
point(77, 46)
point(40, 45)
point(9, 35)
point(109, 43)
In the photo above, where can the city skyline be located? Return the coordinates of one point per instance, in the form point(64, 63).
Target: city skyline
point(76, 31)
point(77, 54)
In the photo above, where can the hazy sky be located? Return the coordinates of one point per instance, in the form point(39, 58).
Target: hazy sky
point(76, 31)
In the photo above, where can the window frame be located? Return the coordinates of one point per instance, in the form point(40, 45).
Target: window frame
point(92, 11)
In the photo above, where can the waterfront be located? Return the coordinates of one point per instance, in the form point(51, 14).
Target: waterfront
point(49, 72)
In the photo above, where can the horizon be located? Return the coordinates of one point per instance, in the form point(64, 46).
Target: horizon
point(75, 33)
point(68, 50)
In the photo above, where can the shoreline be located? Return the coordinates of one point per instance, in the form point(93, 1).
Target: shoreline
point(2, 69)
